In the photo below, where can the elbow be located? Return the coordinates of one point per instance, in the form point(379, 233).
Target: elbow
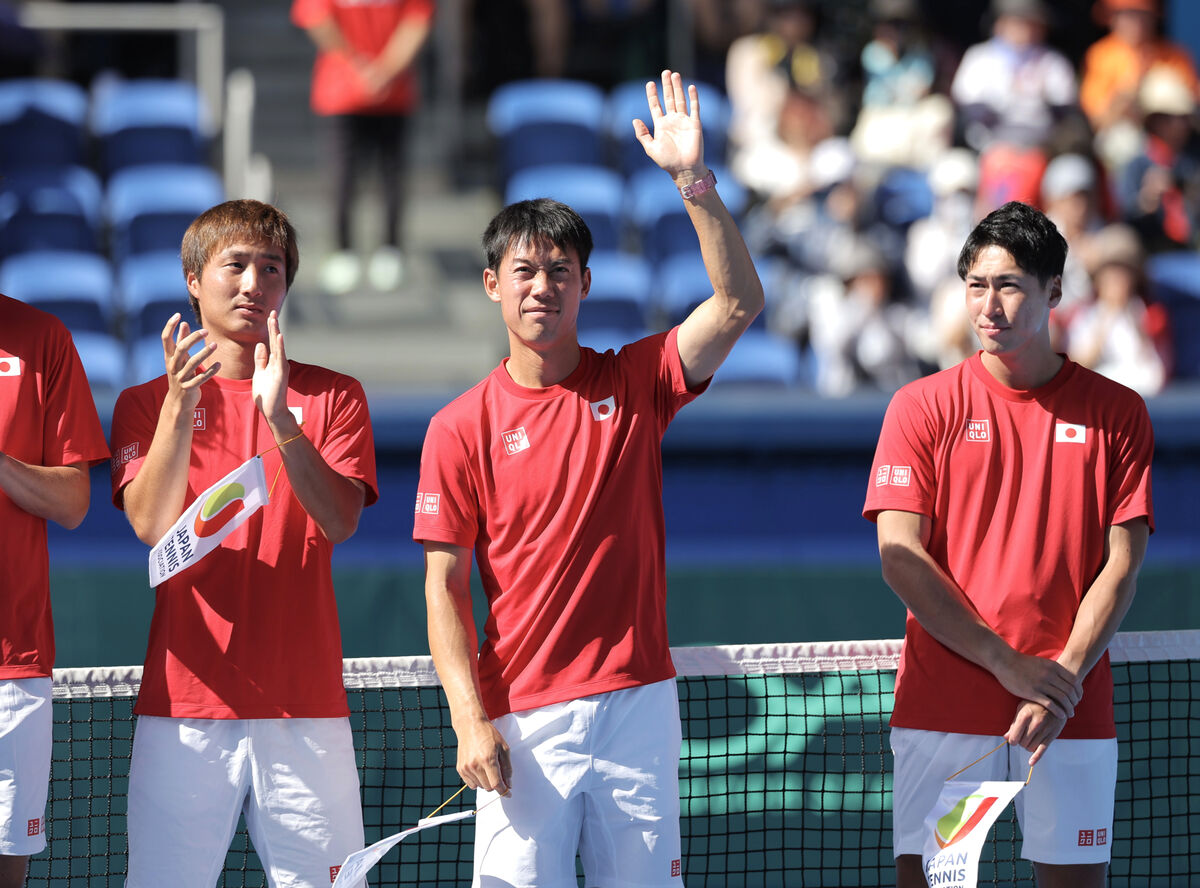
point(341, 529)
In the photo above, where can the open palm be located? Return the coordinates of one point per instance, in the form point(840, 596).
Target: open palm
point(676, 143)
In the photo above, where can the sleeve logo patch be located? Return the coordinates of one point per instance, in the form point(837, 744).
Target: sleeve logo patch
point(428, 503)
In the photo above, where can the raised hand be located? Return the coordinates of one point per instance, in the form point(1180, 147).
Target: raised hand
point(185, 371)
point(268, 386)
point(676, 143)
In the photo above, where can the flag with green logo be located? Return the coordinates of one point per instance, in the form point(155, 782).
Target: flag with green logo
point(216, 513)
point(957, 826)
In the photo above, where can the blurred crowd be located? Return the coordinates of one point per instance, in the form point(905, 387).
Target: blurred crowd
point(868, 184)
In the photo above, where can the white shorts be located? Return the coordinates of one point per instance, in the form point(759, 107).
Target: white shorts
point(600, 776)
point(295, 780)
point(1065, 813)
point(26, 735)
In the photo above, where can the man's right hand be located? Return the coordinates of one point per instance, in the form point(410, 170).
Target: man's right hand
point(184, 371)
point(483, 758)
point(1040, 680)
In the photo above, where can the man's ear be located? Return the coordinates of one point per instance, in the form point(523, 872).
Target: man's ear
point(491, 284)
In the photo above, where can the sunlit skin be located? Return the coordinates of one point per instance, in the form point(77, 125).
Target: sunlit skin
point(1009, 310)
point(238, 288)
point(539, 287)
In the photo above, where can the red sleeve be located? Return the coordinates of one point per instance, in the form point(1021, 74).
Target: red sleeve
point(1129, 474)
point(447, 505)
point(349, 443)
point(902, 473)
point(306, 13)
point(135, 417)
point(71, 431)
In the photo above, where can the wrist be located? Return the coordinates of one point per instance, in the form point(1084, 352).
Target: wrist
point(691, 185)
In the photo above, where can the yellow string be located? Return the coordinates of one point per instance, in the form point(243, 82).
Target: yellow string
point(278, 444)
point(448, 801)
point(1003, 743)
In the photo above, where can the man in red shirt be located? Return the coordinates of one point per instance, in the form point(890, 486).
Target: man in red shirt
point(550, 471)
point(364, 81)
point(1011, 495)
point(49, 436)
point(242, 708)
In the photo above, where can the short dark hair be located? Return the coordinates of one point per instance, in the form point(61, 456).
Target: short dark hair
point(233, 221)
point(539, 219)
point(1026, 233)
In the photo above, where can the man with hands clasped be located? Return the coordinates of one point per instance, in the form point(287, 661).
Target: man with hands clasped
point(549, 471)
point(1011, 496)
point(242, 707)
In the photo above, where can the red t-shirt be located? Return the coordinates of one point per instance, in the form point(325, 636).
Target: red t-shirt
point(250, 631)
point(559, 492)
point(1021, 487)
point(367, 27)
point(47, 418)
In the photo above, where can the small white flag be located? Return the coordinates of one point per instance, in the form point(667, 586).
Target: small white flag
point(957, 826)
point(602, 410)
point(1068, 433)
point(354, 869)
point(215, 514)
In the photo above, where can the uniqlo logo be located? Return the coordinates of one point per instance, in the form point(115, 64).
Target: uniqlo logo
point(429, 503)
point(1087, 838)
point(979, 430)
point(515, 441)
point(198, 420)
point(128, 452)
point(901, 476)
point(333, 871)
point(1102, 837)
point(35, 826)
point(881, 475)
point(676, 867)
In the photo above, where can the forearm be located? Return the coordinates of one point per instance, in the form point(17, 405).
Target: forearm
point(402, 49)
point(154, 499)
point(454, 645)
point(1107, 600)
point(327, 37)
point(332, 500)
point(726, 258)
point(57, 493)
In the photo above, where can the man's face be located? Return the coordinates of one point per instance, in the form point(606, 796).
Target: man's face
point(539, 287)
point(1009, 308)
point(239, 286)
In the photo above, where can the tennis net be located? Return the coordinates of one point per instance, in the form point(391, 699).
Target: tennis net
point(785, 772)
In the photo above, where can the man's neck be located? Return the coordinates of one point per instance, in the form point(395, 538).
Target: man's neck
point(1021, 372)
point(537, 369)
point(236, 359)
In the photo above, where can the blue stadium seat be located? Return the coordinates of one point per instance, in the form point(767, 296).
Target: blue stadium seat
point(1175, 282)
point(604, 339)
point(657, 212)
point(904, 196)
point(43, 122)
point(50, 208)
point(619, 298)
point(75, 287)
point(761, 359)
point(152, 289)
point(103, 359)
point(626, 102)
point(145, 360)
point(595, 192)
point(150, 207)
point(148, 120)
point(544, 121)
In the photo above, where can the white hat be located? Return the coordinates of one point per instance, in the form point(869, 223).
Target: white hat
point(1164, 92)
point(1067, 174)
point(956, 169)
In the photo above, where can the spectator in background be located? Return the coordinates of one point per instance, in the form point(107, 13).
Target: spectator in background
point(364, 79)
point(859, 331)
point(1116, 332)
point(1013, 87)
point(901, 122)
point(715, 25)
point(1071, 199)
point(1159, 189)
point(1114, 68)
point(764, 68)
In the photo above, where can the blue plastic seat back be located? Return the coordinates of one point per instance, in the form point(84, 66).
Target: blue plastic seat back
point(761, 359)
point(150, 207)
point(148, 121)
point(76, 287)
point(541, 121)
point(595, 192)
point(658, 215)
point(619, 298)
point(43, 122)
point(50, 207)
point(152, 289)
